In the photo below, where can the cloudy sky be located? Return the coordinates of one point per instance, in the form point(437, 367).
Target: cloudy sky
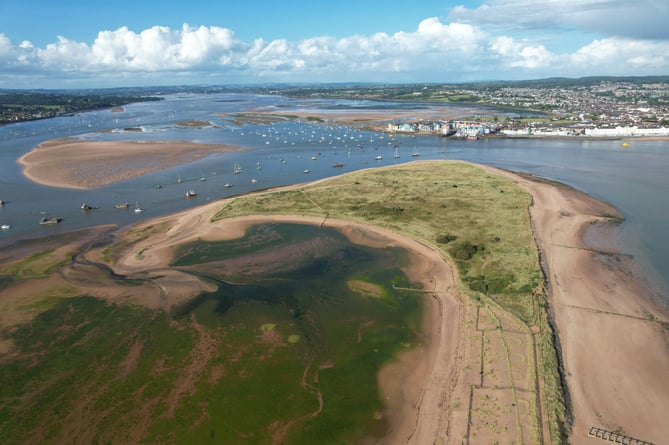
point(77, 43)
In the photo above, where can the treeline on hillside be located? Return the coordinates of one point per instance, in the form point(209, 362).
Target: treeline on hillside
point(17, 106)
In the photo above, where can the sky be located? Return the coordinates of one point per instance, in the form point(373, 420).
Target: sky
point(89, 44)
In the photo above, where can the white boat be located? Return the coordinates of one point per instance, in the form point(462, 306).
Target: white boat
point(5, 227)
point(396, 155)
point(138, 209)
point(254, 180)
point(122, 205)
point(191, 193)
point(227, 185)
point(306, 171)
point(415, 152)
point(379, 157)
point(237, 169)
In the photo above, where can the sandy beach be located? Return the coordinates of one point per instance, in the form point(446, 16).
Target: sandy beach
point(81, 164)
point(614, 337)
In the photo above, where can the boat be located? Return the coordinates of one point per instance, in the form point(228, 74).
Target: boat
point(237, 169)
point(122, 205)
point(2, 202)
point(313, 158)
point(138, 209)
point(338, 165)
point(86, 207)
point(49, 220)
point(191, 193)
point(624, 144)
point(306, 171)
point(179, 179)
point(379, 157)
point(396, 155)
point(415, 152)
point(5, 227)
point(203, 179)
point(254, 180)
point(227, 185)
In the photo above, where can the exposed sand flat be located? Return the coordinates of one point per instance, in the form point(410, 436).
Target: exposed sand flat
point(81, 164)
point(614, 338)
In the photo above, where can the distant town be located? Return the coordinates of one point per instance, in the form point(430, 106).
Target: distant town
point(605, 107)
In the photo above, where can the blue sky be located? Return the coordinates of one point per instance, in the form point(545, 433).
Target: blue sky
point(49, 44)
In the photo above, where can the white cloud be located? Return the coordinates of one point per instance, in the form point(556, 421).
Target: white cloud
point(623, 56)
point(435, 51)
point(643, 19)
point(519, 54)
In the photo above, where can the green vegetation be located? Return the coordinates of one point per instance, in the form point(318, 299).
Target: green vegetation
point(244, 364)
point(486, 218)
point(18, 106)
point(37, 266)
point(479, 220)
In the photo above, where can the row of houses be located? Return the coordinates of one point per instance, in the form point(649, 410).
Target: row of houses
point(599, 132)
point(464, 129)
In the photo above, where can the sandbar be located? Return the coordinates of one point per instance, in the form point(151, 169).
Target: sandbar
point(83, 164)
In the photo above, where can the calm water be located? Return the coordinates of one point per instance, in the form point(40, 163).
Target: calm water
point(634, 179)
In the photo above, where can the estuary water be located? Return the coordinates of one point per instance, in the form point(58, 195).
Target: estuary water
point(634, 179)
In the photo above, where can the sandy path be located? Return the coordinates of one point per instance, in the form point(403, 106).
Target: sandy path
point(614, 346)
point(81, 164)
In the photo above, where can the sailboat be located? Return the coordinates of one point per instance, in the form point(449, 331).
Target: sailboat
point(138, 209)
point(415, 152)
point(396, 155)
point(191, 193)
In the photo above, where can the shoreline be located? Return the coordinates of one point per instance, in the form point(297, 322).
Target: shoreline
point(80, 164)
point(613, 334)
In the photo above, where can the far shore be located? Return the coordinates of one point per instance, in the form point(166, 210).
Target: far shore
point(82, 164)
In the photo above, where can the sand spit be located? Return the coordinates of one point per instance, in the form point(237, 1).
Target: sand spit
point(614, 339)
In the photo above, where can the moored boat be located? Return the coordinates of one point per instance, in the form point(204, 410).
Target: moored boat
point(122, 205)
point(191, 193)
point(5, 227)
point(49, 220)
